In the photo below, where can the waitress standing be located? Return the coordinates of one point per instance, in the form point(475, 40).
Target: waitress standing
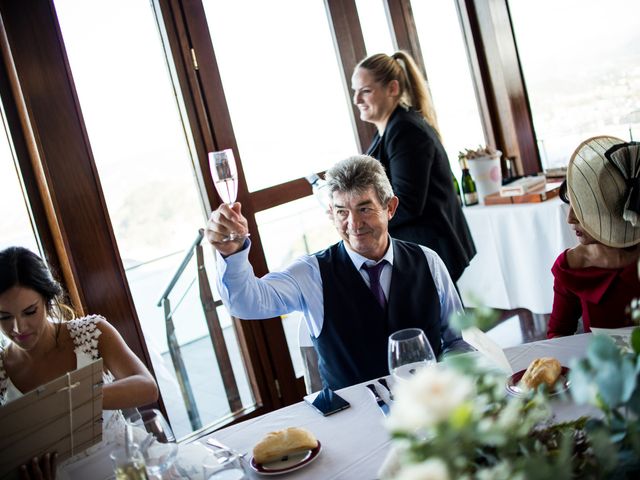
point(391, 93)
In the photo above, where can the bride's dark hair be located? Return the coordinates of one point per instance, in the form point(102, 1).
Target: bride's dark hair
point(21, 267)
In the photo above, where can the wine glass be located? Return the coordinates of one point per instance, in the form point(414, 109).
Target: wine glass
point(157, 443)
point(409, 350)
point(128, 465)
point(223, 464)
point(225, 177)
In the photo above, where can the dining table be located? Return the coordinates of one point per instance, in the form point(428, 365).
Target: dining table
point(517, 244)
point(355, 442)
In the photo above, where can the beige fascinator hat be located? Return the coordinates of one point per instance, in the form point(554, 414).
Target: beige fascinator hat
point(603, 183)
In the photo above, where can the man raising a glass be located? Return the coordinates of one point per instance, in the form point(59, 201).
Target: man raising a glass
point(354, 294)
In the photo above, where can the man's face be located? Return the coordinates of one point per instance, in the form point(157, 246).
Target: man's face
point(362, 221)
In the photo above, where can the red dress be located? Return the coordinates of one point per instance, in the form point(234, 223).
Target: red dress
point(599, 295)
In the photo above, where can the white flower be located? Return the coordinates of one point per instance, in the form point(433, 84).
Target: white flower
point(430, 397)
point(510, 416)
point(432, 469)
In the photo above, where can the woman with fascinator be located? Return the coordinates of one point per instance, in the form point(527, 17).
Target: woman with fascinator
point(597, 279)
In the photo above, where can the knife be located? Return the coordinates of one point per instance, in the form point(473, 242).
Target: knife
point(381, 403)
point(383, 382)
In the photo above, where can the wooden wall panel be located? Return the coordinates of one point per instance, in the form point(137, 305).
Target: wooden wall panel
point(501, 77)
point(404, 32)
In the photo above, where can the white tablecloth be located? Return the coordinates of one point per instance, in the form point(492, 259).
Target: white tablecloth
point(354, 441)
point(517, 246)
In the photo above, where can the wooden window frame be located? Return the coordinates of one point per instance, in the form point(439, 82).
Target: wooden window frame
point(495, 65)
point(57, 165)
point(49, 135)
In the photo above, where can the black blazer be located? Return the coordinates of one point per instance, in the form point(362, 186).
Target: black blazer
point(429, 212)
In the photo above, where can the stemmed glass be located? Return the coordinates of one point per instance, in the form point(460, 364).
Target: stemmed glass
point(223, 464)
point(155, 439)
point(409, 350)
point(225, 177)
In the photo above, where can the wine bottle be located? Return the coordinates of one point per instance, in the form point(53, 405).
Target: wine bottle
point(456, 188)
point(320, 190)
point(468, 185)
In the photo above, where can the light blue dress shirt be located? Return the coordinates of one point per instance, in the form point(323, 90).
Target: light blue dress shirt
point(298, 288)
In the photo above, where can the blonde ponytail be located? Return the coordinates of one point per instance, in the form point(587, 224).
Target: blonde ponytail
point(417, 93)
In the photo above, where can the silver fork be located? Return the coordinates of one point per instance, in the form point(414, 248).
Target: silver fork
point(383, 382)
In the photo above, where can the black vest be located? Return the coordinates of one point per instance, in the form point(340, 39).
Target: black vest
point(352, 346)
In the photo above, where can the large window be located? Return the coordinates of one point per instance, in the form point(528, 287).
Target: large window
point(581, 65)
point(17, 229)
point(146, 171)
point(449, 75)
point(290, 115)
point(288, 107)
point(375, 26)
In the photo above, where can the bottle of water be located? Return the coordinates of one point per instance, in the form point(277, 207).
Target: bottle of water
point(320, 190)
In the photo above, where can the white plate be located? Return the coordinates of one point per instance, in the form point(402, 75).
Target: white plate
point(286, 464)
point(514, 388)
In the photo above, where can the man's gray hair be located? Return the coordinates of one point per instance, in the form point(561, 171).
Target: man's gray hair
point(357, 174)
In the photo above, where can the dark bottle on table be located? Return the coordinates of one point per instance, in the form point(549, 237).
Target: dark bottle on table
point(469, 192)
point(456, 187)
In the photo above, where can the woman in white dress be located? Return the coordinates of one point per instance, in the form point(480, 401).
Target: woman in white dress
point(45, 341)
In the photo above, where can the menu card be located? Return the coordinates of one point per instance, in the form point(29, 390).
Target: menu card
point(481, 342)
point(64, 416)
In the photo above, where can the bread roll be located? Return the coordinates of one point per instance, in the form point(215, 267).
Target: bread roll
point(276, 445)
point(542, 370)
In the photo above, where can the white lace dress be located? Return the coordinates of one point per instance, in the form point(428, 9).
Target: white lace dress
point(85, 335)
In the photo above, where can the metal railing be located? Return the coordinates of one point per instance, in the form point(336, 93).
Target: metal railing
point(209, 306)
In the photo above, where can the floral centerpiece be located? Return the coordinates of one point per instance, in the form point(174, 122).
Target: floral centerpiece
point(454, 421)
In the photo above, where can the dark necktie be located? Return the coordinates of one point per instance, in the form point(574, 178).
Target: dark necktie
point(374, 282)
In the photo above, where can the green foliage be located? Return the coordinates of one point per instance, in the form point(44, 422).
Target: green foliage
point(489, 435)
point(481, 317)
point(635, 340)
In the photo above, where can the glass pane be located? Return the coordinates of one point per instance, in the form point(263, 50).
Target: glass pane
point(146, 171)
point(16, 220)
point(375, 27)
point(288, 105)
point(581, 73)
point(188, 319)
point(449, 76)
point(308, 230)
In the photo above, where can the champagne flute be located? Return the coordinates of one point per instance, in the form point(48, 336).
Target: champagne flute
point(409, 350)
point(225, 177)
